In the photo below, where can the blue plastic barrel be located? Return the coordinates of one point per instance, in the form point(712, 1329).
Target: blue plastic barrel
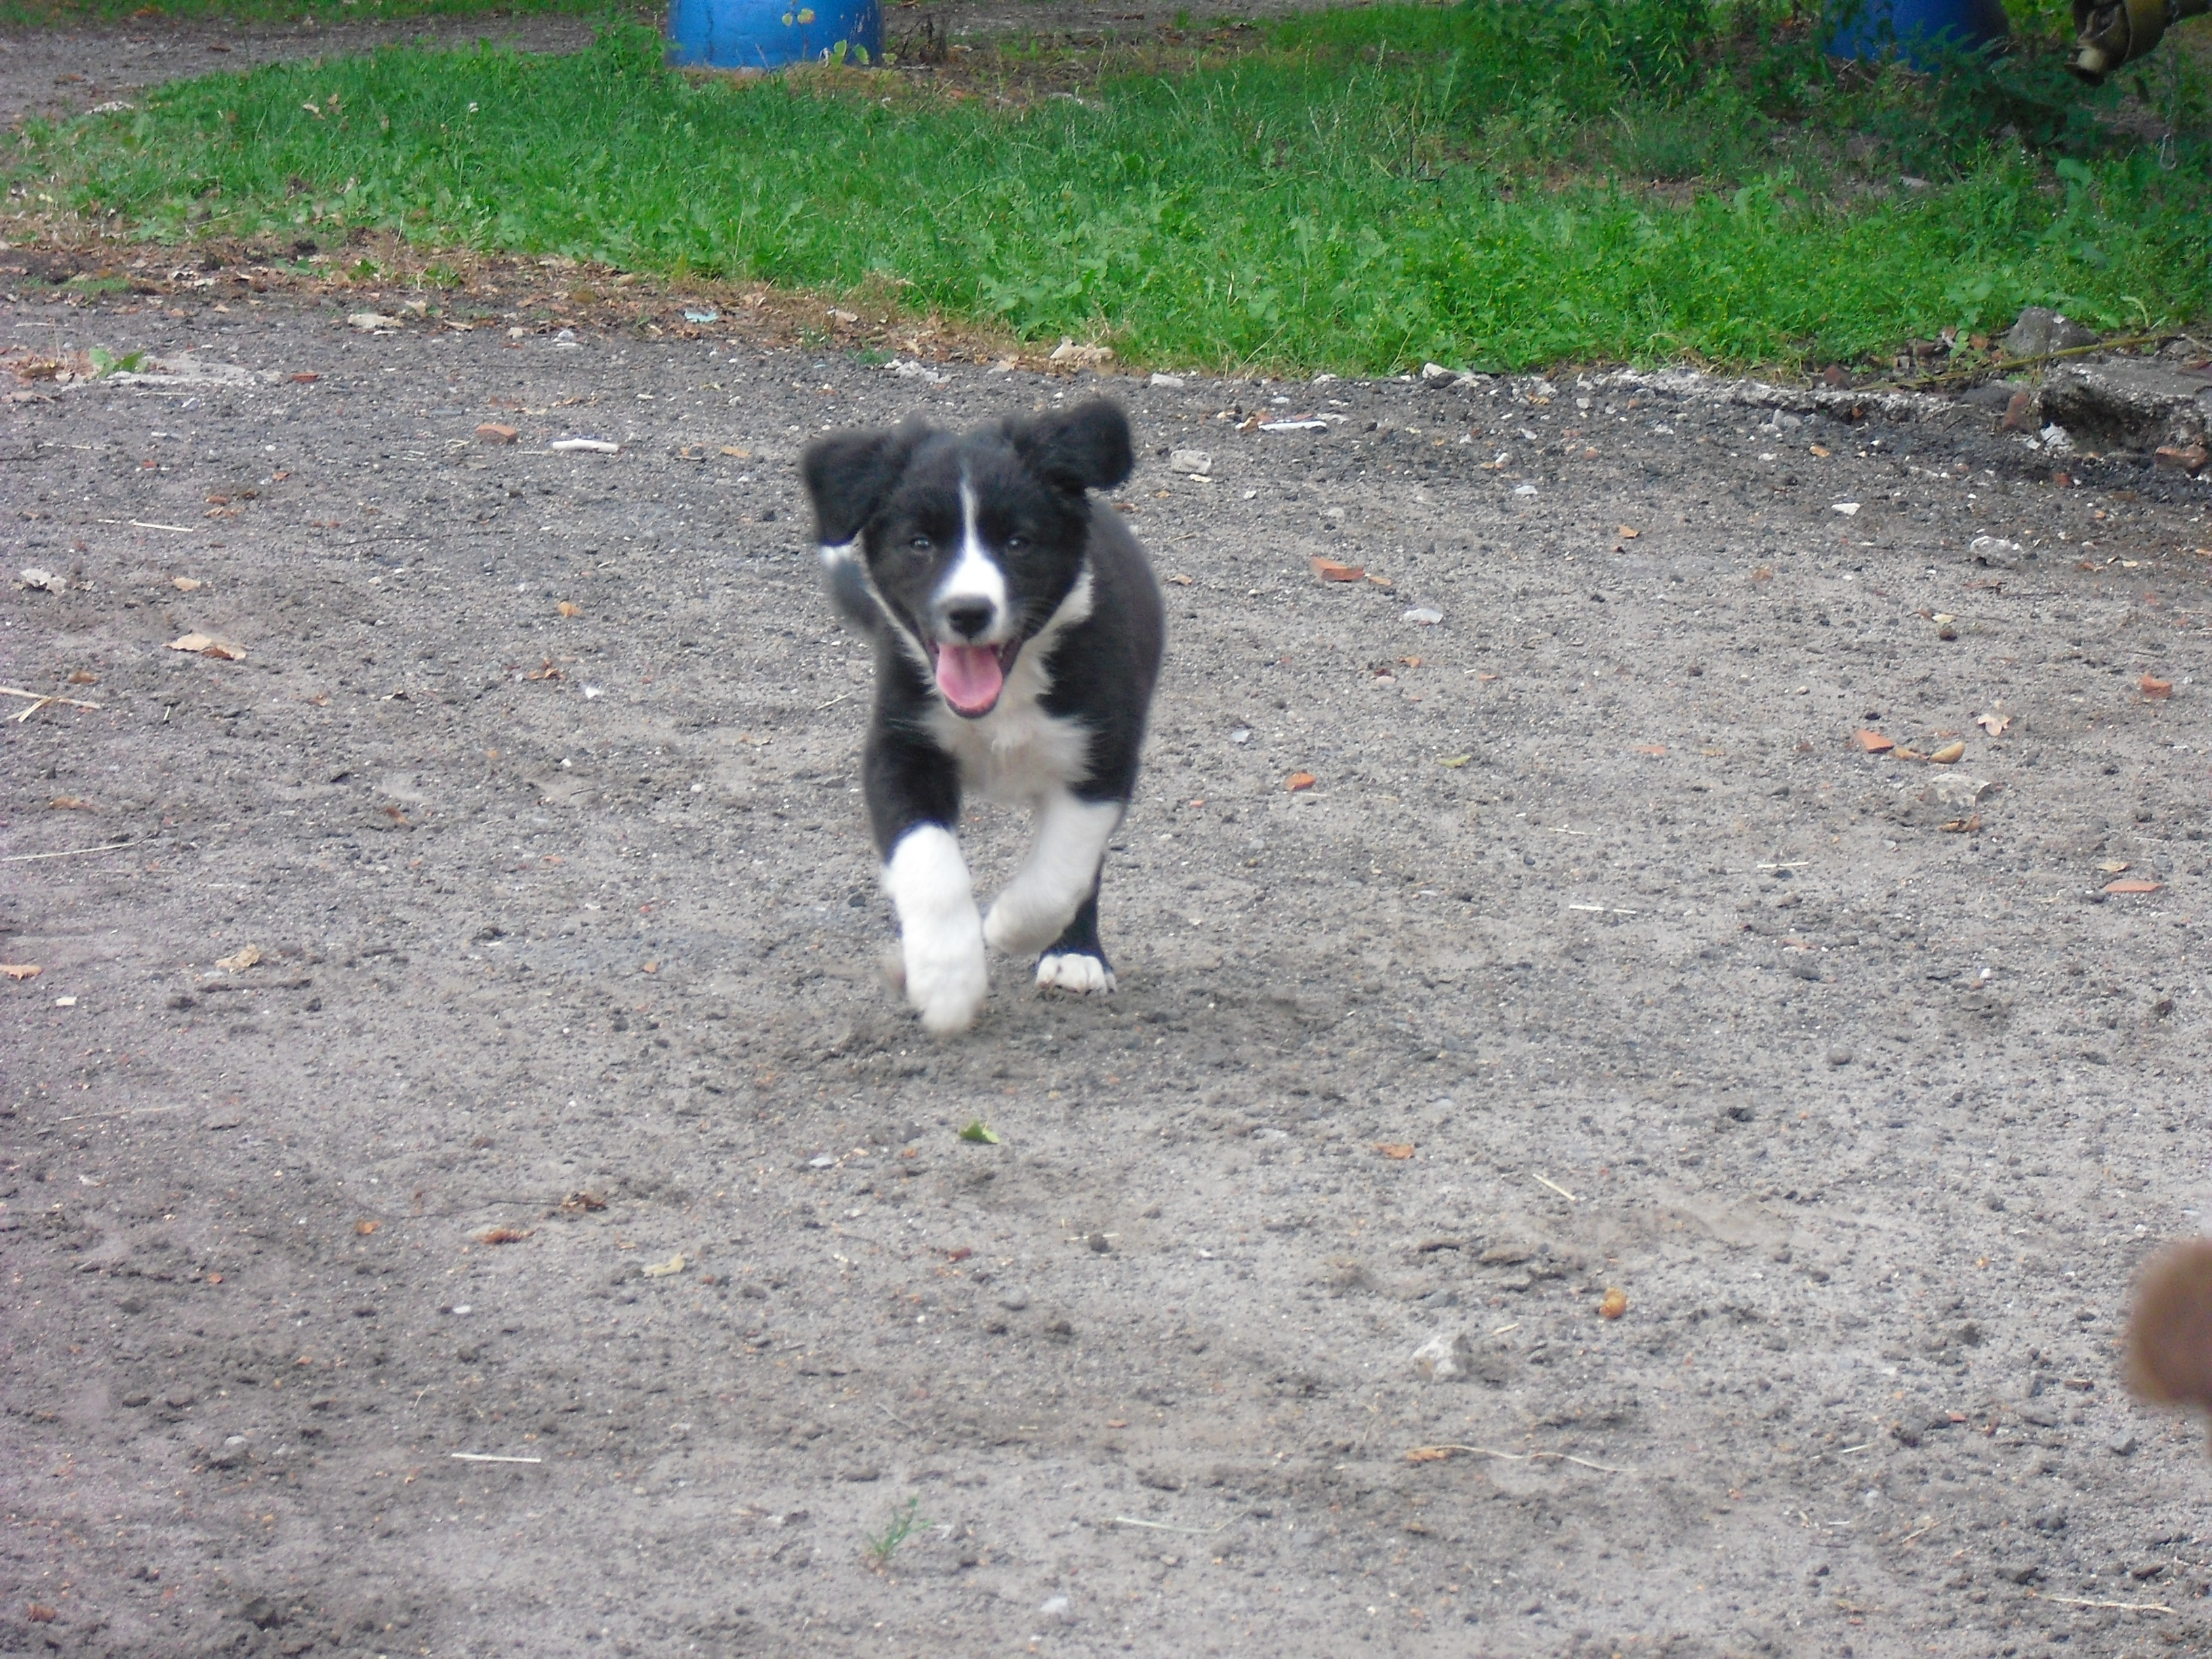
point(768, 34)
point(1872, 29)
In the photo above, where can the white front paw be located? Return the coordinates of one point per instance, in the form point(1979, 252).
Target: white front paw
point(945, 978)
point(1018, 928)
point(1072, 971)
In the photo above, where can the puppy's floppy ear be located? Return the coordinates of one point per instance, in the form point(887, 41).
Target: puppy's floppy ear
point(1086, 448)
point(849, 475)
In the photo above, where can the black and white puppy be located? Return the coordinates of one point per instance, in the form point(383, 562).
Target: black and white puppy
point(1018, 631)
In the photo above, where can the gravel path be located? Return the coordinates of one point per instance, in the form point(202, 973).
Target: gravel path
point(1598, 955)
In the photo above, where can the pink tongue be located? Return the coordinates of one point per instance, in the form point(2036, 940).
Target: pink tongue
point(969, 676)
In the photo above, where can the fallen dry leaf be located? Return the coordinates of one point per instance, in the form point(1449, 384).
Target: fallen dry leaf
point(241, 960)
point(2155, 688)
point(1614, 1305)
point(2113, 866)
point(1947, 753)
point(1409, 662)
point(1627, 534)
point(545, 671)
point(1763, 573)
point(502, 1235)
point(2133, 885)
point(1822, 451)
point(1329, 570)
point(365, 1228)
point(305, 377)
point(1455, 762)
point(495, 431)
point(663, 1269)
point(1298, 781)
point(70, 804)
point(21, 970)
point(1963, 826)
point(1873, 742)
point(1993, 723)
point(1397, 1149)
point(1179, 581)
point(40, 1613)
point(1379, 581)
point(567, 608)
point(579, 1203)
point(1429, 1455)
point(207, 645)
point(1651, 749)
point(1484, 679)
point(82, 678)
point(736, 454)
point(398, 818)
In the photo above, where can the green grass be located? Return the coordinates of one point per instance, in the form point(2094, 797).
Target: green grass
point(39, 14)
point(1644, 180)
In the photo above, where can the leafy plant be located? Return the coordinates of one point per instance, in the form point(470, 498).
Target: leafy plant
point(106, 362)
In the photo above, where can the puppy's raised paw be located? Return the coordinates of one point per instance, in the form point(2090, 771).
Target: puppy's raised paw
point(1076, 971)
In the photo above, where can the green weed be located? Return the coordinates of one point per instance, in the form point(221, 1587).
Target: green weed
point(1490, 184)
point(906, 1520)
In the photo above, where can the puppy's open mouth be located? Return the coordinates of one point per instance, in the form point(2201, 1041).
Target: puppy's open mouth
point(971, 677)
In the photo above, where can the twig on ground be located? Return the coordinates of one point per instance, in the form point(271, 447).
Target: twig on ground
point(67, 853)
point(1164, 1525)
point(489, 1457)
point(1556, 1187)
point(1437, 1453)
point(2087, 1601)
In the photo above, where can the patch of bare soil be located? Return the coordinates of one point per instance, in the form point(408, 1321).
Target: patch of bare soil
point(462, 1184)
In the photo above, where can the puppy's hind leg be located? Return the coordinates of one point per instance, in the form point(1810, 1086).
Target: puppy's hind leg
point(1076, 961)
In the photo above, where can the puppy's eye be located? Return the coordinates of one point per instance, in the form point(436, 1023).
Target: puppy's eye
point(921, 544)
point(1016, 544)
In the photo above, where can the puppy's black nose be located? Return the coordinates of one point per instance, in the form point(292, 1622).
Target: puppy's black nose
point(969, 617)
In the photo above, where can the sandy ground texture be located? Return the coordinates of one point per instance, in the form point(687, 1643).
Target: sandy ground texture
point(512, 886)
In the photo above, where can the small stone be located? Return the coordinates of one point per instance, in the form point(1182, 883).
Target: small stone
point(1015, 1300)
point(132, 1401)
point(43, 581)
point(176, 1399)
point(1437, 375)
point(491, 432)
point(1445, 1356)
point(1996, 553)
point(227, 1117)
point(2040, 329)
point(1099, 1242)
point(1196, 463)
point(1839, 1056)
point(2020, 413)
point(2183, 457)
point(1424, 616)
point(1054, 1608)
point(372, 322)
point(1168, 382)
point(2122, 1444)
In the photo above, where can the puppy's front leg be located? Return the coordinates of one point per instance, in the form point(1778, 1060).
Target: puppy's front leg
point(915, 799)
point(1059, 873)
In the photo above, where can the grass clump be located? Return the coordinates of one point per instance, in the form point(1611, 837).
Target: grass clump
point(1485, 184)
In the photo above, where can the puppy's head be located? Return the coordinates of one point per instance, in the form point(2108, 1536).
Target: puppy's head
point(971, 540)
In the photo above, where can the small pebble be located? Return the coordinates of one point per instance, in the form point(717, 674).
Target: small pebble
point(1015, 1300)
point(1840, 1056)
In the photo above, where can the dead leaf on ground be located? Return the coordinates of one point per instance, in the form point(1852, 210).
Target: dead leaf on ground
point(1397, 1149)
point(1484, 679)
point(398, 818)
point(1963, 826)
point(664, 1269)
point(1947, 753)
point(1333, 570)
point(21, 970)
point(40, 1613)
point(580, 1203)
point(2155, 689)
point(568, 608)
point(502, 1235)
point(1626, 534)
point(1993, 723)
point(80, 678)
point(1873, 742)
point(1614, 1305)
point(2113, 866)
point(1409, 662)
point(1763, 573)
point(70, 804)
point(1379, 581)
point(1429, 1455)
point(2133, 885)
point(1298, 781)
point(1653, 749)
point(736, 454)
point(1455, 762)
point(240, 961)
point(545, 671)
point(1821, 451)
point(365, 1228)
point(207, 645)
point(1179, 581)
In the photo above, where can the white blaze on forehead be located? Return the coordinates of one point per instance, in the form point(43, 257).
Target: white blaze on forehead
point(975, 575)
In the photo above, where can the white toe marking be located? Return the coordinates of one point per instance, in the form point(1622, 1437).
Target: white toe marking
point(1074, 972)
point(1057, 877)
point(941, 936)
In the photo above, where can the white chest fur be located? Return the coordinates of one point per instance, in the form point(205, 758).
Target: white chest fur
point(1018, 754)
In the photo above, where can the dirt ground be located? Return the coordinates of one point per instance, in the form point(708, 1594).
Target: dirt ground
point(1597, 957)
